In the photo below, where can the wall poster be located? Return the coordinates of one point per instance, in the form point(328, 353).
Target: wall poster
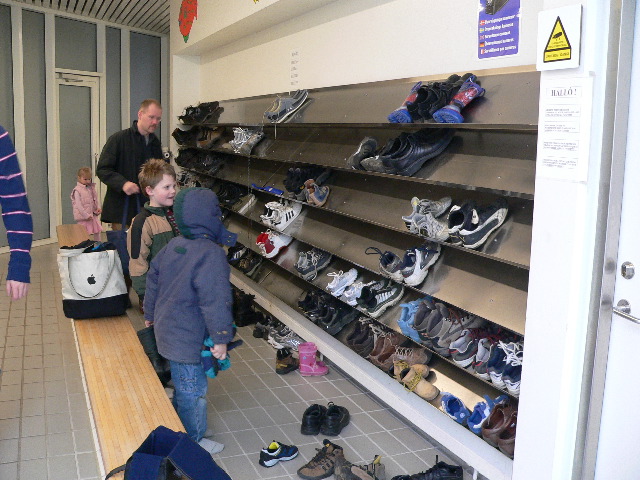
point(498, 28)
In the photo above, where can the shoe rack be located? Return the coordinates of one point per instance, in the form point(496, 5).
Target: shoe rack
point(492, 155)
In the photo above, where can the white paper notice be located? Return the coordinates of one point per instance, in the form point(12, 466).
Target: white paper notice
point(294, 69)
point(563, 128)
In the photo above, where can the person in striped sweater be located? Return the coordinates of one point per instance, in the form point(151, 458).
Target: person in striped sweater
point(16, 217)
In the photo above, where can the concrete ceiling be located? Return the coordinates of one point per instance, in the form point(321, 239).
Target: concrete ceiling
point(150, 15)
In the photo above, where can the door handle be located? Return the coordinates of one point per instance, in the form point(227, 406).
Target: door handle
point(624, 310)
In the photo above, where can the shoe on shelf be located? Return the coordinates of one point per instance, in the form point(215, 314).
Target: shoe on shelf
point(315, 194)
point(453, 406)
point(414, 381)
point(246, 202)
point(280, 215)
point(412, 355)
point(276, 452)
point(322, 465)
point(440, 471)
point(452, 113)
point(513, 370)
point(376, 302)
point(340, 319)
point(434, 95)
point(401, 114)
point(341, 280)
point(311, 262)
point(283, 107)
point(480, 364)
point(420, 147)
point(247, 146)
point(312, 419)
point(366, 149)
point(497, 422)
point(504, 355)
point(209, 136)
point(459, 215)
point(482, 411)
point(271, 243)
point(390, 263)
point(430, 227)
point(420, 208)
point(236, 253)
point(335, 420)
point(507, 438)
point(407, 318)
point(482, 223)
point(417, 261)
point(250, 263)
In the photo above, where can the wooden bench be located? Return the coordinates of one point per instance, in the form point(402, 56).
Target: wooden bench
point(127, 399)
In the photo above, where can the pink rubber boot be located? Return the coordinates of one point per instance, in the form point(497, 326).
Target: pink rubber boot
point(309, 366)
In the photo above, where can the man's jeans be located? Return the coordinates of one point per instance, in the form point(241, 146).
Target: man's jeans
point(189, 397)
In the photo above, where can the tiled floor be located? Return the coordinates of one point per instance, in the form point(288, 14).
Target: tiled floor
point(45, 429)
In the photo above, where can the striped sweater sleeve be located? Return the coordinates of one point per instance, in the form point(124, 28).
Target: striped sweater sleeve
point(15, 211)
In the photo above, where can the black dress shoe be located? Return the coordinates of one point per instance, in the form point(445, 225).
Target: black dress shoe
point(313, 419)
point(335, 420)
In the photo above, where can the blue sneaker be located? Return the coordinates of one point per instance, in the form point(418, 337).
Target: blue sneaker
point(275, 452)
point(513, 370)
point(505, 354)
point(481, 412)
point(453, 406)
point(407, 317)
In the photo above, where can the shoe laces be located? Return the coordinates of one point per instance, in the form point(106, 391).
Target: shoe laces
point(404, 351)
point(514, 353)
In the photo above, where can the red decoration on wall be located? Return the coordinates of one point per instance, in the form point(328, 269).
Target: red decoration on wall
point(188, 13)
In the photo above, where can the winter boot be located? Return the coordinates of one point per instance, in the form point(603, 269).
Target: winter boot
point(451, 113)
point(285, 362)
point(309, 366)
point(160, 364)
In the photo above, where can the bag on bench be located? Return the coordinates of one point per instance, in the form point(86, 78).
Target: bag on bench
point(92, 281)
point(169, 455)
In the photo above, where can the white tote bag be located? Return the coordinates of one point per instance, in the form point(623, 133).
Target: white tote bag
point(92, 283)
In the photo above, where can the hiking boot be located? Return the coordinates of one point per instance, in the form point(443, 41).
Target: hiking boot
point(440, 471)
point(322, 465)
point(312, 419)
point(285, 363)
point(335, 420)
point(345, 470)
point(366, 149)
point(277, 452)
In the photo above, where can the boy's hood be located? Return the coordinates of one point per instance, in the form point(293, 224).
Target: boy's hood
point(197, 213)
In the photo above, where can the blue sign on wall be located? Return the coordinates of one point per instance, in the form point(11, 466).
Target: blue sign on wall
point(498, 28)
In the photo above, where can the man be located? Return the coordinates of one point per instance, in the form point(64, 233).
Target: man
point(17, 218)
point(121, 159)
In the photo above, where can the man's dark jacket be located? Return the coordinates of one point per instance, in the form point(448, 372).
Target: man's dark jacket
point(120, 161)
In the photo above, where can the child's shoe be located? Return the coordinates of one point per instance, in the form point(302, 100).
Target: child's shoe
point(277, 452)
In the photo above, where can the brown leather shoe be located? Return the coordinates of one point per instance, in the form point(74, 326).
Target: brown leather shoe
point(507, 439)
point(497, 422)
point(386, 346)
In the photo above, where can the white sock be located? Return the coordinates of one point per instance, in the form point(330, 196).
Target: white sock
point(211, 446)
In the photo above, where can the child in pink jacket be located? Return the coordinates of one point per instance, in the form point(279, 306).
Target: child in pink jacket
point(86, 206)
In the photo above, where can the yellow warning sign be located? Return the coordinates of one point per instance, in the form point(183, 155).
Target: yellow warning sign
point(558, 47)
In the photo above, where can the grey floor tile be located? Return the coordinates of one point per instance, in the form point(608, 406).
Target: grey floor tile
point(410, 463)
point(309, 393)
point(10, 364)
point(63, 468)
point(244, 401)
point(60, 404)
point(33, 447)
point(362, 446)
point(36, 468)
point(9, 450)
point(11, 378)
point(9, 409)
point(387, 443)
point(9, 471)
point(60, 444)
point(223, 403)
point(58, 423)
point(365, 423)
point(287, 395)
point(32, 426)
point(240, 467)
point(53, 373)
point(14, 352)
point(83, 441)
point(258, 417)
point(411, 439)
point(88, 465)
point(33, 406)
point(33, 362)
point(231, 446)
point(236, 421)
point(9, 428)
point(33, 390)
point(388, 420)
point(249, 441)
point(35, 375)
point(267, 398)
point(281, 415)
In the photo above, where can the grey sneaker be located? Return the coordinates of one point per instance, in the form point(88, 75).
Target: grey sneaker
point(284, 107)
point(366, 149)
point(383, 299)
point(311, 262)
point(341, 280)
point(422, 207)
point(390, 263)
point(428, 226)
point(322, 465)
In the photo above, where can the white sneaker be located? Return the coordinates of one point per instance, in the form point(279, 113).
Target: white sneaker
point(211, 446)
point(421, 259)
point(428, 226)
point(288, 212)
point(341, 280)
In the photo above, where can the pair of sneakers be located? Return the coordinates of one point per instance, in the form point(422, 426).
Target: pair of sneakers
point(245, 139)
point(423, 218)
point(413, 268)
point(315, 194)
point(271, 243)
point(470, 225)
point(311, 262)
point(283, 107)
point(280, 215)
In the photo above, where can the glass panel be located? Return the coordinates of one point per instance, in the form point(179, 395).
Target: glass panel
point(75, 140)
point(114, 121)
point(35, 117)
point(145, 71)
point(6, 70)
point(76, 45)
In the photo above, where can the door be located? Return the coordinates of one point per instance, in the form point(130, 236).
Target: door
point(79, 130)
point(619, 436)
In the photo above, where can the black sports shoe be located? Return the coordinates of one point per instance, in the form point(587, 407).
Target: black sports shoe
point(440, 471)
point(421, 146)
point(312, 419)
point(335, 420)
point(236, 253)
point(366, 149)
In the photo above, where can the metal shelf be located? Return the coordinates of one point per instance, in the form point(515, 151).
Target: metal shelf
point(475, 284)
point(510, 244)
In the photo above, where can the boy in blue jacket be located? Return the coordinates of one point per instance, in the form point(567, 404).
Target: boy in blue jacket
point(188, 297)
